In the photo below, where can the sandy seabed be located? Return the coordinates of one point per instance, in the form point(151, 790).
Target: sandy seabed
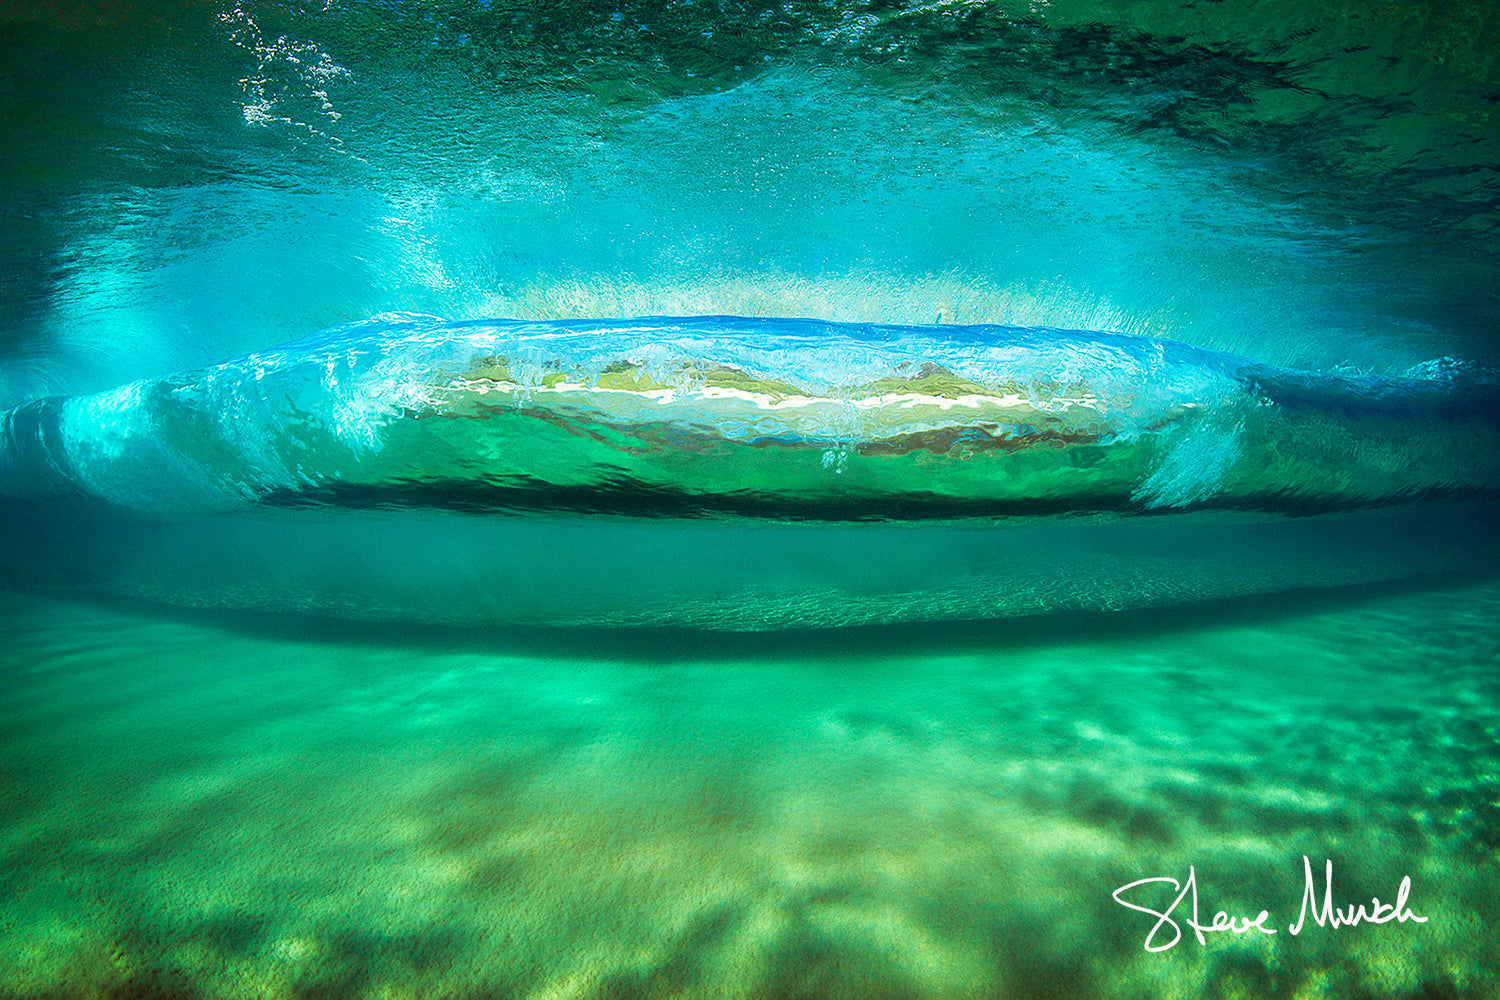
point(202, 807)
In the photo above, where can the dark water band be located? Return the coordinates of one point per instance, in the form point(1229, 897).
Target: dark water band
point(445, 569)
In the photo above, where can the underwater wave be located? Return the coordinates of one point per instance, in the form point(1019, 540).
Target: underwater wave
point(744, 473)
point(789, 419)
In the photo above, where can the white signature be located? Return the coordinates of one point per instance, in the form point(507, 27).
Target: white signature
point(1324, 914)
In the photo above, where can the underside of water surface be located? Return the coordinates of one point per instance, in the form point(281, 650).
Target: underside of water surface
point(749, 499)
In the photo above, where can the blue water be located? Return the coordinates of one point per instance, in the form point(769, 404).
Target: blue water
point(746, 499)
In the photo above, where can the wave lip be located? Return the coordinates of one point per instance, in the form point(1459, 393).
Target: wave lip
point(728, 416)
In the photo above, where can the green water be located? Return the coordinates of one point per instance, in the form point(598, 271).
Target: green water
point(293, 754)
point(276, 810)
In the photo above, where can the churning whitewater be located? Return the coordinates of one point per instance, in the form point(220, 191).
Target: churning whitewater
point(791, 419)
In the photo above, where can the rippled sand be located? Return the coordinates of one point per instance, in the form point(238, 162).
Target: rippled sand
point(261, 808)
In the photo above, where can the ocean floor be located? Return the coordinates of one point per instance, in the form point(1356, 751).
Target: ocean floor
point(266, 807)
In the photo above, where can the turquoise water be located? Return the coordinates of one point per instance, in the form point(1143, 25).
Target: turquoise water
point(748, 500)
point(200, 807)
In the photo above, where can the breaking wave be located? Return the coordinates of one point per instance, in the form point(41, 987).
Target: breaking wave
point(789, 419)
point(744, 473)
